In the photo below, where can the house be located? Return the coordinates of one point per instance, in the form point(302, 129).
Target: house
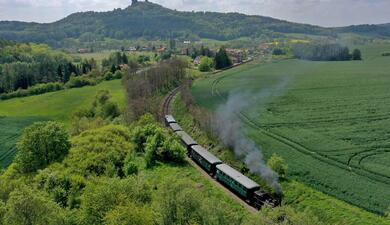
point(236, 55)
point(197, 60)
point(83, 50)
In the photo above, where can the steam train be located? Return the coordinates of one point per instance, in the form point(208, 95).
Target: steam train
point(241, 185)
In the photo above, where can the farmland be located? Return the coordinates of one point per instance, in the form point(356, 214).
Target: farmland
point(10, 129)
point(330, 123)
point(18, 113)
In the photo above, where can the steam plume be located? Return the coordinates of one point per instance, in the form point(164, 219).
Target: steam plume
point(230, 129)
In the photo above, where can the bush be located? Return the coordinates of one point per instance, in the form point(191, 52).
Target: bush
point(206, 64)
point(387, 214)
point(118, 74)
point(41, 144)
point(26, 206)
point(357, 55)
point(130, 214)
point(386, 54)
point(100, 151)
point(34, 90)
point(65, 189)
point(77, 82)
point(109, 76)
point(278, 51)
point(130, 167)
point(104, 197)
point(277, 164)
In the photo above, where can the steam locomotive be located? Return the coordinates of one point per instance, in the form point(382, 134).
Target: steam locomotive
point(241, 185)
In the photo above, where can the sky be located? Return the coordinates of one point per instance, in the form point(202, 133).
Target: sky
point(319, 12)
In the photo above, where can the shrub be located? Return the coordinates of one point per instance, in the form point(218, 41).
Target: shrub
point(130, 214)
point(26, 206)
point(356, 54)
point(130, 167)
point(278, 51)
point(387, 214)
point(76, 82)
point(100, 151)
point(109, 76)
point(277, 164)
point(65, 189)
point(108, 194)
point(34, 90)
point(41, 144)
point(206, 64)
point(118, 74)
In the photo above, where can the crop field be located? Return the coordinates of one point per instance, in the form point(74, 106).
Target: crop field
point(18, 113)
point(331, 123)
point(10, 130)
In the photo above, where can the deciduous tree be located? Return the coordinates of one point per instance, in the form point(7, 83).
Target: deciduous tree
point(41, 144)
point(277, 164)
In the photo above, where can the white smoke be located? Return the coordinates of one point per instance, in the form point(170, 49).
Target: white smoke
point(230, 129)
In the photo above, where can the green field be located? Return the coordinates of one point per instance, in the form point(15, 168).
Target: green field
point(60, 105)
point(330, 124)
point(18, 113)
point(10, 130)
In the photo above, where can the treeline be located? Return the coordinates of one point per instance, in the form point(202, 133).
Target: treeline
point(29, 69)
point(25, 65)
point(143, 87)
point(325, 52)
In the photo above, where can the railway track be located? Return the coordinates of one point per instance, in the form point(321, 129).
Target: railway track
point(166, 110)
point(166, 105)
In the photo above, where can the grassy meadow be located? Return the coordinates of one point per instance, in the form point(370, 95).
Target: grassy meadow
point(60, 105)
point(18, 113)
point(330, 123)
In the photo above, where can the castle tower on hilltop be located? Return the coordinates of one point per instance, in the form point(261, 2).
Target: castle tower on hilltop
point(133, 2)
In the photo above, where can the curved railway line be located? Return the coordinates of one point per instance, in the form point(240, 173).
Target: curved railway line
point(303, 149)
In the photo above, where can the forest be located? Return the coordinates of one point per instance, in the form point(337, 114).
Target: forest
point(151, 21)
point(25, 65)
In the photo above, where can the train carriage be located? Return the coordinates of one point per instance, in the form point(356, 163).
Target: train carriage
point(175, 127)
point(205, 159)
point(237, 182)
point(169, 119)
point(186, 140)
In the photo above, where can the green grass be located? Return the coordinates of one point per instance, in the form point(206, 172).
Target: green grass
point(60, 105)
point(18, 113)
point(331, 124)
point(10, 130)
point(297, 195)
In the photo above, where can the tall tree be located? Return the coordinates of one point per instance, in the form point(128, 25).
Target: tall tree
point(222, 59)
point(41, 144)
point(357, 55)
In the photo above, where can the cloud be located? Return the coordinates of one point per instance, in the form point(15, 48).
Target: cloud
point(321, 12)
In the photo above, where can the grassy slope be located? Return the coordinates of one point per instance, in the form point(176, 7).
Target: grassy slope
point(297, 195)
point(10, 129)
point(60, 105)
point(19, 113)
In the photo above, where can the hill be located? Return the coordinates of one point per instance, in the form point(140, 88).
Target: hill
point(381, 30)
point(152, 21)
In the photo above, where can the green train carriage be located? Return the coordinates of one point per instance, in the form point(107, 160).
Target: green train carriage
point(205, 159)
point(237, 182)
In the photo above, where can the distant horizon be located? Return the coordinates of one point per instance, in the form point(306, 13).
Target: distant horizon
point(32, 10)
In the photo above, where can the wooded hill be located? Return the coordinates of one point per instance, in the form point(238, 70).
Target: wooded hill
point(152, 21)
